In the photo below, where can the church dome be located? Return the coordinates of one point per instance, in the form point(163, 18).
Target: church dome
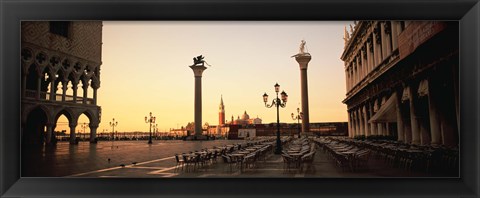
point(245, 116)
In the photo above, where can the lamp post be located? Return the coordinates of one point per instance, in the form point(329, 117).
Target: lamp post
point(84, 125)
point(151, 121)
point(113, 124)
point(298, 117)
point(277, 103)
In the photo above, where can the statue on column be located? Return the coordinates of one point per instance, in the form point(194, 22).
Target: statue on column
point(199, 61)
point(302, 49)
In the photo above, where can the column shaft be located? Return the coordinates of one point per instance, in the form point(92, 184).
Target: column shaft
point(304, 91)
point(433, 115)
point(198, 105)
point(413, 118)
point(72, 134)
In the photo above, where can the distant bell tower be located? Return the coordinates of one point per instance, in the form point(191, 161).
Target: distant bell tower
point(221, 112)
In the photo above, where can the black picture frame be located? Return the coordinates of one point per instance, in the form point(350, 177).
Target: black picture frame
point(467, 12)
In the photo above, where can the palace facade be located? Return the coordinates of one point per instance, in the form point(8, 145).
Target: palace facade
point(402, 81)
point(59, 59)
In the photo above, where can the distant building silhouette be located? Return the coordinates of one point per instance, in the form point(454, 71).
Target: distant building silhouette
point(56, 57)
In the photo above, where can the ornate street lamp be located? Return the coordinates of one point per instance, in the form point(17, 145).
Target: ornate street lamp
point(113, 124)
point(298, 117)
point(151, 121)
point(277, 103)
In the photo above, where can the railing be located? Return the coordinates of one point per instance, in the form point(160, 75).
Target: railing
point(45, 96)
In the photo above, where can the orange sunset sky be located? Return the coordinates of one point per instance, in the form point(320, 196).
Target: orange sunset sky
point(145, 69)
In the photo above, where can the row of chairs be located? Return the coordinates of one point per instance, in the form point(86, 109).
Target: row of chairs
point(304, 152)
point(195, 160)
point(346, 156)
point(422, 158)
point(248, 161)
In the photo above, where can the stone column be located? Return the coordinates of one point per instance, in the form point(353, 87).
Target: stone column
point(74, 87)
point(360, 120)
point(369, 57)
point(395, 31)
point(53, 88)
point(85, 94)
point(388, 42)
point(366, 70)
point(373, 126)
point(383, 41)
point(95, 96)
point(400, 125)
point(359, 66)
point(303, 63)
point(355, 123)
point(64, 89)
point(433, 115)
point(93, 132)
point(72, 133)
point(365, 116)
point(350, 124)
point(347, 78)
point(197, 71)
point(413, 117)
point(380, 129)
point(49, 134)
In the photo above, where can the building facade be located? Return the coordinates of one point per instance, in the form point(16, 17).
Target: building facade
point(402, 80)
point(58, 58)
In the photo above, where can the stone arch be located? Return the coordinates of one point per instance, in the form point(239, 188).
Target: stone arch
point(33, 131)
point(28, 109)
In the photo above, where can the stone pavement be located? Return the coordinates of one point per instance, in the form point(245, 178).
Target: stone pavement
point(273, 166)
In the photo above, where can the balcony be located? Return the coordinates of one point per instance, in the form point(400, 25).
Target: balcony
point(45, 96)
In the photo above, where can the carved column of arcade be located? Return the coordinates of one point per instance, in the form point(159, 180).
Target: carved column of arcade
point(375, 41)
point(53, 87)
point(369, 55)
point(75, 88)
point(364, 63)
point(350, 132)
point(64, 88)
point(93, 132)
point(365, 115)
point(95, 87)
point(400, 117)
point(383, 43)
point(387, 39)
point(360, 66)
point(48, 138)
point(413, 116)
point(354, 129)
point(395, 25)
point(379, 124)
point(361, 118)
point(373, 126)
point(347, 78)
point(85, 91)
point(433, 113)
point(73, 125)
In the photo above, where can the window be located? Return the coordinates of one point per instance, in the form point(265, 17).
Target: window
point(60, 28)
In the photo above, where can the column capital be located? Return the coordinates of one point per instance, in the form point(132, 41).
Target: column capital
point(303, 60)
point(198, 70)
